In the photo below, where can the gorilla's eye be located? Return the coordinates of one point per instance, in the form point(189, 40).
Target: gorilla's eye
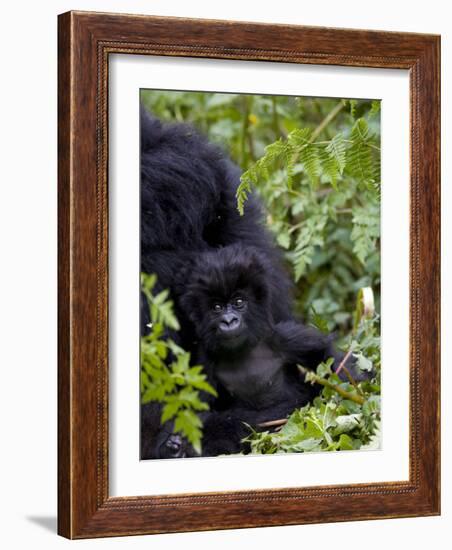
point(217, 307)
point(238, 302)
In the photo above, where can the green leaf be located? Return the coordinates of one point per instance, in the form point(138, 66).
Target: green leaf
point(346, 423)
point(363, 363)
point(189, 425)
point(153, 393)
point(325, 368)
point(361, 162)
point(307, 445)
point(366, 231)
point(161, 297)
point(372, 405)
point(319, 322)
point(169, 410)
point(177, 387)
point(336, 150)
point(307, 154)
point(283, 240)
point(308, 237)
point(345, 443)
point(243, 190)
point(375, 108)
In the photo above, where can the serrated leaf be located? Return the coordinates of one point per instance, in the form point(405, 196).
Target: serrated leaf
point(375, 108)
point(243, 190)
point(333, 159)
point(283, 240)
point(325, 368)
point(170, 410)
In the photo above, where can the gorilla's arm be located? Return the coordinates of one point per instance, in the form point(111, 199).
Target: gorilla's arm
point(302, 344)
point(307, 346)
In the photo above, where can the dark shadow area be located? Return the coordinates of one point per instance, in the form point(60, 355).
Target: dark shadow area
point(46, 522)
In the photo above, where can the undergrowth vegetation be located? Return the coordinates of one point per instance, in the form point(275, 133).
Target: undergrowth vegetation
point(315, 162)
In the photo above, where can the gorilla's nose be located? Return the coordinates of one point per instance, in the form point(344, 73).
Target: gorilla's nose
point(229, 321)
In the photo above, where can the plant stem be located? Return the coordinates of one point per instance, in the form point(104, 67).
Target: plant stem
point(275, 121)
point(347, 372)
point(312, 377)
point(329, 117)
point(342, 363)
point(247, 138)
point(272, 423)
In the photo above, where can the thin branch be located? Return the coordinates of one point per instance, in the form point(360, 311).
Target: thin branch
point(245, 124)
point(329, 117)
point(273, 423)
point(342, 363)
point(312, 377)
point(347, 372)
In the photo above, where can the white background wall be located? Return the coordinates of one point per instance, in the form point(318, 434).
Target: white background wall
point(28, 270)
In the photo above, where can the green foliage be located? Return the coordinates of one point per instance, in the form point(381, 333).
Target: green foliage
point(315, 162)
point(166, 374)
point(346, 415)
point(366, 230)
point(350, 166)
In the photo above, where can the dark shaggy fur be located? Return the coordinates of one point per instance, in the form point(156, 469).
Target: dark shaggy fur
point(201, 249)
point(249, 357)
point(188, 206)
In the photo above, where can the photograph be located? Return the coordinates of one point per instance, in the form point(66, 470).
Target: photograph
point(259, 274)
point(248, 273)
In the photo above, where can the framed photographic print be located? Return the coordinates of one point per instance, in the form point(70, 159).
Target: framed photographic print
point(248, 275)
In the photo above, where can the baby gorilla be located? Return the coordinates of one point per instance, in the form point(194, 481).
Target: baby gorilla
point(250, 359)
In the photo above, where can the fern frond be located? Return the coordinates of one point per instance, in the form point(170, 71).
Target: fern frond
point(243, 190)
point(260, 169)
point(336, 150)
point(300, 142)
point(366, 231)
point(333, 158)
point(361, 163)
point(375, 108)
point(308, 237)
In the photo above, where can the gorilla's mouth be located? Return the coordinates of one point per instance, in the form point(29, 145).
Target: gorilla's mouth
point(230, 333)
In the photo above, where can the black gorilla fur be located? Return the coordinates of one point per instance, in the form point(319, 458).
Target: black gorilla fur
point(249, 357)
point(188, 206)
point(201, 249)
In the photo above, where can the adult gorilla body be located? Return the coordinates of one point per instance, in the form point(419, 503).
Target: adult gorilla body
point(210, 257)
point(188, 207)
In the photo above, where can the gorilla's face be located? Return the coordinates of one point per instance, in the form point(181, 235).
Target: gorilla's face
point(228, 319)
point(227, 299)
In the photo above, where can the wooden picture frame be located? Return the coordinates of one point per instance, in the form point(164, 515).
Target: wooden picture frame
point(85, 42)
